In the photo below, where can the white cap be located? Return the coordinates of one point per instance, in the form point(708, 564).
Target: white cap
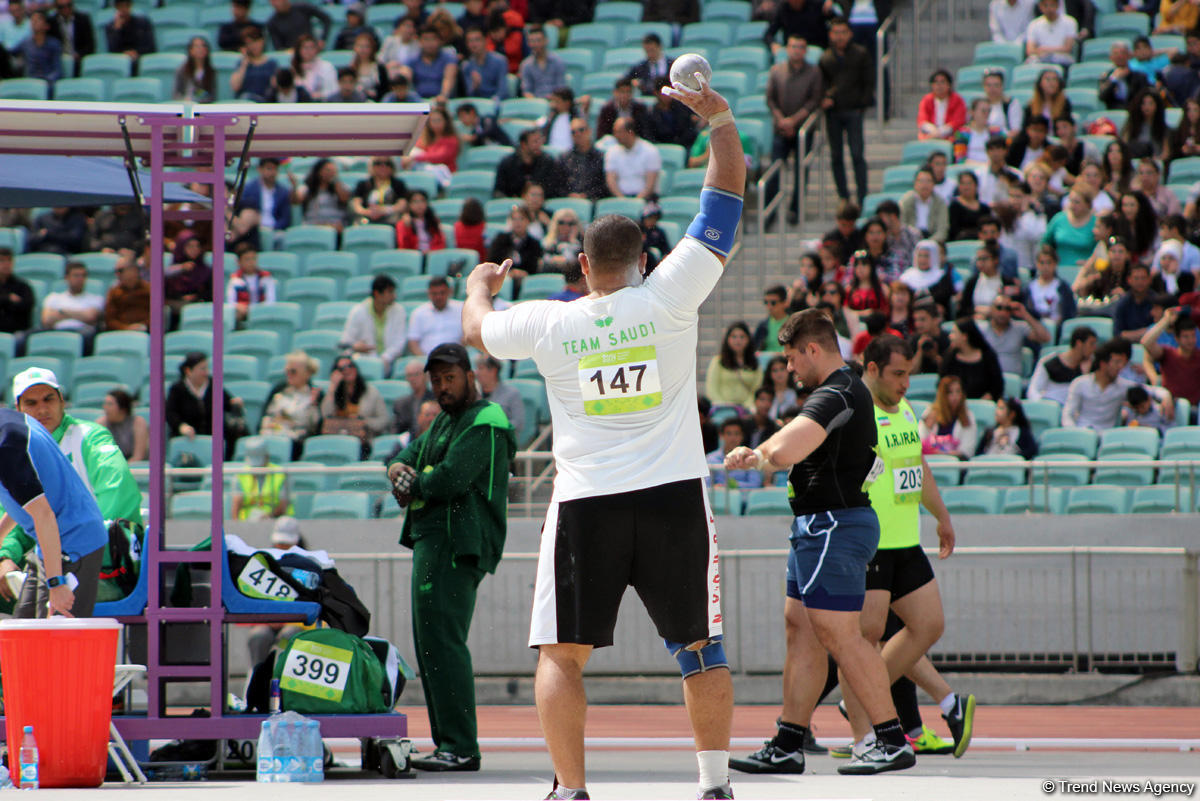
point(256, 452)
point(286, 533)
point(32, 377)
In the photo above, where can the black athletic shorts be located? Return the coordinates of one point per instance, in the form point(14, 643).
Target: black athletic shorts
point(899, 571)
point(662, 541)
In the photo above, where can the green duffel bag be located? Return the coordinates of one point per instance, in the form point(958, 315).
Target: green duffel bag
point(327, 671)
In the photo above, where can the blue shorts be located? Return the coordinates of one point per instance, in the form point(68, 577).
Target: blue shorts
point(827, 568)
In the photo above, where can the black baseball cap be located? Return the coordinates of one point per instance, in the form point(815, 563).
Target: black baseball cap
point(449, 353)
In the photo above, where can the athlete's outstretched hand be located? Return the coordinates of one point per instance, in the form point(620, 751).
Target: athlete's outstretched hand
point(741, 458)
point(489, 274)
point(946, 538)
point(705, 102)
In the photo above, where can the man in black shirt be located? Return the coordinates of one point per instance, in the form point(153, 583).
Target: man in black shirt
point(128, 33)
point(290, 20)
point(528, 165)
point(16, 298)
point(229, 35)
point(830, 450)
point(582, 166)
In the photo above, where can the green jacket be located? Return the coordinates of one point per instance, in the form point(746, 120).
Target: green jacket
point(105, 472)
point(461, 489)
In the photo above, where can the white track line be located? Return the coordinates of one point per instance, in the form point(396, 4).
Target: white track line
point(1014, 743)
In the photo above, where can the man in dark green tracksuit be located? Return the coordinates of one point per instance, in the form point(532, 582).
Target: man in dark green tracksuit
point(454, 480)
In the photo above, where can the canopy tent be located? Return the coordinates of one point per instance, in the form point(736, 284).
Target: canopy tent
point(29, 181)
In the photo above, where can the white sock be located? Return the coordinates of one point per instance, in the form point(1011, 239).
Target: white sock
point(866, 742)
point(714, 768)
point(565, 792)
point(947, 703)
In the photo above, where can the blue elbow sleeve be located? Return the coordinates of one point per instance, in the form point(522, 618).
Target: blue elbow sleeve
point(716, 225)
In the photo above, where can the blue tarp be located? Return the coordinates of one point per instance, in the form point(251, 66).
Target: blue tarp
point(28, 181)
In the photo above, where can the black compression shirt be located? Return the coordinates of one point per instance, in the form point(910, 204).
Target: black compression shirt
point(832, 476)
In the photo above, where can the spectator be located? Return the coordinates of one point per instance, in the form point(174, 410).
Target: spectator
point(60, 230)
point(74, 309)
point(380, 197)
point(970, 144)
point(1140, 410)
point(128, 33)
point(866, 291)
point(989, 232)
point(1145, 130)
point(1049, 99)
point(1170, 229)
point(127, 305)
point(434, 71)
point(315, 74)
point(803, 18)
point(987, 282)
point(251, 80)
point(1177, 17)
point(563, 241)
point(937, 163)
point(848, 76)
point(408, 408)
point(437, 147)
point(1147, 60)
point(670, 120)
point(582, 167)
point(400, 47)
point(676, 12)
point(248, 286)
point(484, 73)
point(1007, 336)
point(436, 322)
point(534, 199)
point(189, 279)
point(900, 301)
point(1167, 258)
point(779, 380)
point(1094, 399)
point(517, 243)
point(794, 92)
point(293, 408)
point(1094, 283)
point(996, 176)
point(347, 88)
point(928, 340)
point(130, 431)
point(1119, 85)
point(416, 10)
point(762, 424)
point(845, 231)
point(293, 20)
point(448, 31)
point(473, 16)
point(928, 274)
point(733, 373)
point(117, 228)
point(1185, 140)
point(576, 284)
point(41, 51)
point(1077, 149)
point(196, 80)
point(633, 165)
point(1030, 145)
point(1004, 112)
point(1051, 37)
point(1180, 365)
point(1049, 297)
point(1070, 231)
point(260, 496)
point(623, 106)
point(491, 388)
point(1161, 199)
point(1008, 20)
point(654, 239)
point(15, 27)
point(284, 89)
point(1192, 47)
point(1131, 315)
point(1137, 224)
point(1054, 373)
point(371, 78)
point(74, 29)
point(230, 34)
point(356, 24)
point(647, 73)
point(419, 227)
point(733, 435)
point(972, 359)
point(507, 37)
point(475, 130)
point(942, 111)
point(1117, 170)
point(766, 334)
point(542, 71)
point(947, 426)
point(352, 406)
point(1011, 434)
point(965, 210)
point(269, 200)
point(563, 13)
point(322, 197)
point(470, 226)
point(556, 125)
point(901, 238)
point(923, 209)
point(527, 164)
point(188, 407)
point(1180, 81)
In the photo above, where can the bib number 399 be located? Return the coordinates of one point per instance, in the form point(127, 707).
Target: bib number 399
point(317, 670)
point(620, 381)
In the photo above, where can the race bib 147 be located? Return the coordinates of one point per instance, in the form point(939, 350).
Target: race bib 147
point(317, 670)
point(620, 381)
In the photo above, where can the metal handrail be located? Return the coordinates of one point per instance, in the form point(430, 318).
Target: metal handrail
point(805, 157)
point(882, 59)
point(916, 51)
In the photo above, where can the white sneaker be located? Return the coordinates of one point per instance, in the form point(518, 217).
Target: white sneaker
point(880, 758)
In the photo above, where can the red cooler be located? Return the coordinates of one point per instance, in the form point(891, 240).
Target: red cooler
point(58, 678)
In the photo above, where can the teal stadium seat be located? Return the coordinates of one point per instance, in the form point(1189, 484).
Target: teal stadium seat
point(125, 370)
point(364, 241)
point(91, 394)
point(702, 34)
point(137, 90)
point(24, 89)
point(1042, 414)
point(769, 501)
point(618, 12)
point(1008, 471)
point(87, 90)
point(541, 285)
point(240, 367)
point(1098, 499)
point(192, 505)
point(257, 342)
point(450, 262)
point(199, 317)
point(1060, 476)
point(332, 314)
point(1000, 54)
point(331, 449)
point(1136, 474)
point(485, 157)
point(341, 506)
point(282, 265)
point(630, 207)
point(279, 448)
point(1181, 442)
point(200, 448)
point(1126, 23)
point(945, 468)
point(66, 345)
point(1081, 441)
point(972, 500)
point(106, 66)
point(731, 10)
point(134, 343)
point(182, 342)
point(1158, 500)
point(305, 239)
point(471, 183)
point(284, 318)
point(334, 264)
point(917, 151)
point(396, 263)
point(1140, 441)
point(1035, 500)
point(39, 266)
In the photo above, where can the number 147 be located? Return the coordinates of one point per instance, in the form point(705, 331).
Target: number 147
point(618, 382)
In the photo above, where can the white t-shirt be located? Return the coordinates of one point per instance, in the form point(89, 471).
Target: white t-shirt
point(620, 376)
point(65, 301)
point(986, 289)
point(430, 327)
point(632, 165)
point(1044, 33)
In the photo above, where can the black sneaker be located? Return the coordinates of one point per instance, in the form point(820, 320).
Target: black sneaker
point(880, 758)
point(811, 746)
point(770, 759)
point(724, 791)
point(961, 721)
point(442, 761)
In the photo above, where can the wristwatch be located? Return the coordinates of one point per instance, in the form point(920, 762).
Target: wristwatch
point(55, 581)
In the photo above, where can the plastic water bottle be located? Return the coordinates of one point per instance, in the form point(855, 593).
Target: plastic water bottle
point(29, 760)
point(315, 751)
point(306, 577)
point(265, 753)
point(280, 751)
point(276, 697)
